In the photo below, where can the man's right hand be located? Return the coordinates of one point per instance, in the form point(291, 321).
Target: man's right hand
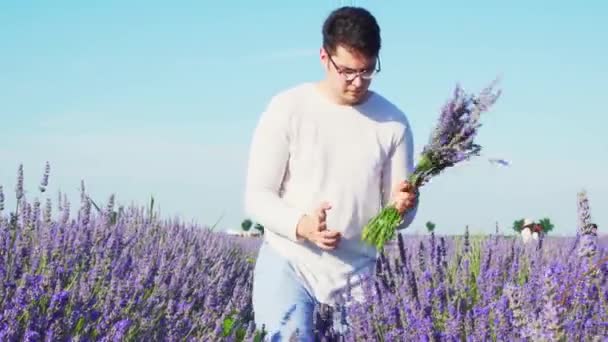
point(314, 229)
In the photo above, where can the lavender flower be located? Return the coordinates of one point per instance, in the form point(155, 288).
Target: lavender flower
point(1, 199)
point(584, 212)
point(19, 186)
point(451, 142)
point(519, 319)
point(143, 279)
point(47, 211)
point(45, 178)
point(586, 229)
point(552, 311)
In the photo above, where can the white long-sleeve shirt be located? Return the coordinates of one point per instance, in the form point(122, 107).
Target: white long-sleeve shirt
point(307, 149)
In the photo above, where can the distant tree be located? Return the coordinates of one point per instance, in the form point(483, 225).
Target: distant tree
point(546, 224)
point(246, 224)
point(518, 225)
point(259, 227)
point(430, 226)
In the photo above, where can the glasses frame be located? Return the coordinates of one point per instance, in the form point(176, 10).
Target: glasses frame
point(350, 75)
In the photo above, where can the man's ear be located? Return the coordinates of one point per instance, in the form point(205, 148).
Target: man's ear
point(322, 54)
point(323, 58)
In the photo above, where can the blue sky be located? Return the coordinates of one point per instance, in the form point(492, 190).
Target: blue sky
point(147, 98)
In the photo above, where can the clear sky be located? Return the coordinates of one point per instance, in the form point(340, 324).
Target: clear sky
point(141, 98)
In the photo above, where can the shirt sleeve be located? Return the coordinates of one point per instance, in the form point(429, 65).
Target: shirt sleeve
point(267, 164)
point(397, 168)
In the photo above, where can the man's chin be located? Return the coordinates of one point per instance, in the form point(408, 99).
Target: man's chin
point(353, 98)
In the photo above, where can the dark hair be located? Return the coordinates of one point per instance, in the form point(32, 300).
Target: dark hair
point(354, 28)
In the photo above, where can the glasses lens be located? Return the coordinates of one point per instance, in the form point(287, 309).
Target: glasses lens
point(349, 76)
point(367, 75)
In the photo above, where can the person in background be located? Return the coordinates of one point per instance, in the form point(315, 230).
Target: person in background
point(526, 231)
point(537, 230)
point(325, 157)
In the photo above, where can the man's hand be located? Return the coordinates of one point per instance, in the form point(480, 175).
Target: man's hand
point(314, 229)
point(404, 196)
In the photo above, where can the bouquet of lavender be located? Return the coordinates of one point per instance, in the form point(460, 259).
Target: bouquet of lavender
point(451, 142)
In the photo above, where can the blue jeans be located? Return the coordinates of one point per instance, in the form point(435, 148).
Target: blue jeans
point(280, 302)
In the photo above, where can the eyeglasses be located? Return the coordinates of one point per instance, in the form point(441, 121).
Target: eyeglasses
point(350, 74)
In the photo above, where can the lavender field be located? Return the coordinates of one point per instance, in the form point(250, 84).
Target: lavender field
point(97, 271)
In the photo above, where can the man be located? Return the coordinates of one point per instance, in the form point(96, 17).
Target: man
point(324, 158)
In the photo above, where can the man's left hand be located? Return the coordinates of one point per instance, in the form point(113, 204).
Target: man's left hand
point(404, 196)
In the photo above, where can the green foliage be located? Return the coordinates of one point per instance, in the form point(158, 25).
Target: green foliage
point(518, 225)
point(523, 273)
point(382, 227)
point(546, 224)
point(259, 227)
point(246, 224)
point(430, 226)
point(233, 327)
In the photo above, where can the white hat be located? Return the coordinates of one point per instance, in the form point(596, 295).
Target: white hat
point(527, 223)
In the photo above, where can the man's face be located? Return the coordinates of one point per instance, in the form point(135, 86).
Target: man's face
point(349, 74)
